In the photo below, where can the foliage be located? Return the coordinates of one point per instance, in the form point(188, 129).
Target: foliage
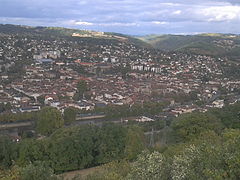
point(116, 170)
point(49, 119)
point(75, 148)
point(19, 117)
point(135, 142)
point(204, 150)
point(77, 145)
point(208, 156)
point(208, 160)
point(5, 107)
point(149, 166)
point(199, 44)
point(148, 108)
point(111, 143)
point(191, 125)
point(37, 171)
point(229, 115)
point(8, 151)
point(30, 151)
point(69, 115)
point(10, 174)
point(82, 89)
point(41, 99)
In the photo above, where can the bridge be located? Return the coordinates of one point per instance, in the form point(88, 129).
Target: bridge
point(16, 125)
point(89, 116)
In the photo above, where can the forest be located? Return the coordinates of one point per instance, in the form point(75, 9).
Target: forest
point(201, 146)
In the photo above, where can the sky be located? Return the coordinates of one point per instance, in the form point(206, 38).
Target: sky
point(134, 17)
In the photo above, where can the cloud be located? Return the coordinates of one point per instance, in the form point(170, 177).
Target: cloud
point(178, 12)
point(160, 22)
point(127, 16)
point(221, 13)
point(83, 23)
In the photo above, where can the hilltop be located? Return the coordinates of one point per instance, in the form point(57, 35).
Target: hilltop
point(207, 44)
point(60, 32)
point(213, 44)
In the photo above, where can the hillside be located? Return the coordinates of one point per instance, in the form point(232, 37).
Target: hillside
point(207, 44)
point(10, 29)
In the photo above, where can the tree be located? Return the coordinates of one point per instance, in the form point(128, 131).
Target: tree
point(229, 115)
point(69, 115)
point(231, 139)
point(37, 171)
point(191, 125)
point(41, 99)
point(5, 107)
point(77, 145)
point(8, 152)
point(30, 151)
point(49, 119)
point(10, 174)
point(3, 69)
point(82, 88)
point(149, 166)
point(134, 143)
point(111, 143)
point(2, 107)
point(8, 106)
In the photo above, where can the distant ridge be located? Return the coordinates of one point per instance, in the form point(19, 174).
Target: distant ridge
point(215, 44)
point(67, 32)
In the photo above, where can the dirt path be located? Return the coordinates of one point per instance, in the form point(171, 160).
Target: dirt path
point(83, 173)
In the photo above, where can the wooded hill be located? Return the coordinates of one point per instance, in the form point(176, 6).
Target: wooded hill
point(207, 44)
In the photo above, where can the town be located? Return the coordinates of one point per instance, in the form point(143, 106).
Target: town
point(119, 90)
point(116, 72)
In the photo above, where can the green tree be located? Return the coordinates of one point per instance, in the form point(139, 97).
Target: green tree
point(82, 88)
point(231, 139)
point(8, 106)
point(49, 119)
point(41, 99)
point(229, 115)
point(30, 151)
point(37, 171)
point(191, 125)
point(110, 144)
point(134, 143)
point(8, 151)
point(149, 166)
point(77, 145)
point(209, 156)
point(69, 115)
point(10, 174)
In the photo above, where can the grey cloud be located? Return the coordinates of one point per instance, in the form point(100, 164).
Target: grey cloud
point(126, 16)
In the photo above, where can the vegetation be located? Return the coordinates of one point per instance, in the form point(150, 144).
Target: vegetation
point(19, 117)
point(81, 90)
point(198, 44)
point(49, 119)
point(69, 115)
point(66, 32)
point(37, 171)
point(190, 126)
point(73, 148)
point(7, 152)
point(5, 107)
point(205, 149)
point(205, 146)
point(147, 108)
